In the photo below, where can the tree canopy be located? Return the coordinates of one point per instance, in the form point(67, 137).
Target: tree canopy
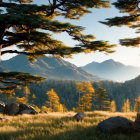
point(131, 18)
point(30, 27)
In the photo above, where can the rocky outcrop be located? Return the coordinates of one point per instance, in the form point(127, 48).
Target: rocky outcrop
point(79, 116)
point(15, 109)
point(23, 107)
point(11, 109)
point(28, 112)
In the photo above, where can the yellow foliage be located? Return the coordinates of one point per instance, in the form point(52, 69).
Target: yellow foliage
point(85, 96)
point(126, 106)
point(26, 90)
point(113, 106)
point(137, 105)
point(21, 100)
point(53, 101)
point(33, 96)
point(36, 108)
point(44, 108)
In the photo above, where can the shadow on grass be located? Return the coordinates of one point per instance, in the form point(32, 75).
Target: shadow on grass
point(58, 130)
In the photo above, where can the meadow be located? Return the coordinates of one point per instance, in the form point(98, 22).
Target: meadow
point(59, 126)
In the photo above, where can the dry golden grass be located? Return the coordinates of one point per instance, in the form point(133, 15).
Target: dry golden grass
point(59, 126)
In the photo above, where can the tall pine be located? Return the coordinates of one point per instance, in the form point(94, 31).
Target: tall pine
point(102, 99)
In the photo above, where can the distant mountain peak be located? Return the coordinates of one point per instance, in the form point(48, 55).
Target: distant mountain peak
point(109, 60)
point(49, 67)
point(113, 70)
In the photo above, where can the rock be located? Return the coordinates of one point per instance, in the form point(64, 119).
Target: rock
point(137, 121)
point(136, 127)
point(79, 116)
point(2, 107)
point(25, 107)
point(116, 125)
point(27, 112)
point(42, 112)
point(11, 109)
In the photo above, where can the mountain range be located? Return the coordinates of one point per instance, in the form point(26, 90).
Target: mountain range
point(112, 70)
point(56, 68)
point(49, 67)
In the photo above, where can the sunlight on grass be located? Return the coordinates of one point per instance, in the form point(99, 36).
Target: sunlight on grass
point(59, 126)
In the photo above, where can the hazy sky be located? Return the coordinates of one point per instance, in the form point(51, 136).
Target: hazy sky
point(128, 56)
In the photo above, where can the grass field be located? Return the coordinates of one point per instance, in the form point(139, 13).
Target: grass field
point(59, 126)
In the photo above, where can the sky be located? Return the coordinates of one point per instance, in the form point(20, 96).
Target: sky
point(125, 55)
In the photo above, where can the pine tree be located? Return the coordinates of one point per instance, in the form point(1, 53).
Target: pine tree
point(84, 103)
point(30, 27)
point(126, 106)
point(113, 106)
point(132, 19)
point(137, 105)
point(102, 99)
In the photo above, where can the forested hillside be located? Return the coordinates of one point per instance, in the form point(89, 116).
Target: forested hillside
point(66, 90)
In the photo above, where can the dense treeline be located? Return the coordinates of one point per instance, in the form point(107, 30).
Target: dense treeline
point(66, 90)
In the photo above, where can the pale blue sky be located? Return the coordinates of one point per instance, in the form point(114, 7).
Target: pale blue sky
point(128, 56)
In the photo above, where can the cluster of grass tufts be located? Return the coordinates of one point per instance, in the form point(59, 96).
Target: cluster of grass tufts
point(59, 126)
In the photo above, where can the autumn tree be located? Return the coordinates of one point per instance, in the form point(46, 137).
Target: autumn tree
point(26, 92)
point(25, 98)
point(131, 18)
point(44, 108)
point(137, 105)
point(85, 99)
point(30, 27)
point(53, 101)
point(113, 106)
point(21, 100)
point(102, 99)
point(126, 106)
point(33, 98)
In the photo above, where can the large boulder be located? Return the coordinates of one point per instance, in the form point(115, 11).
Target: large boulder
point(28, 112)
point(116, 125)
point(79, 116)
point(2, 107)
point(137, 123)
point(25, 107)
point(11, 109)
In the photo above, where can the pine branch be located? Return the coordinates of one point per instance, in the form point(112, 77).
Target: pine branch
point(5, 4)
